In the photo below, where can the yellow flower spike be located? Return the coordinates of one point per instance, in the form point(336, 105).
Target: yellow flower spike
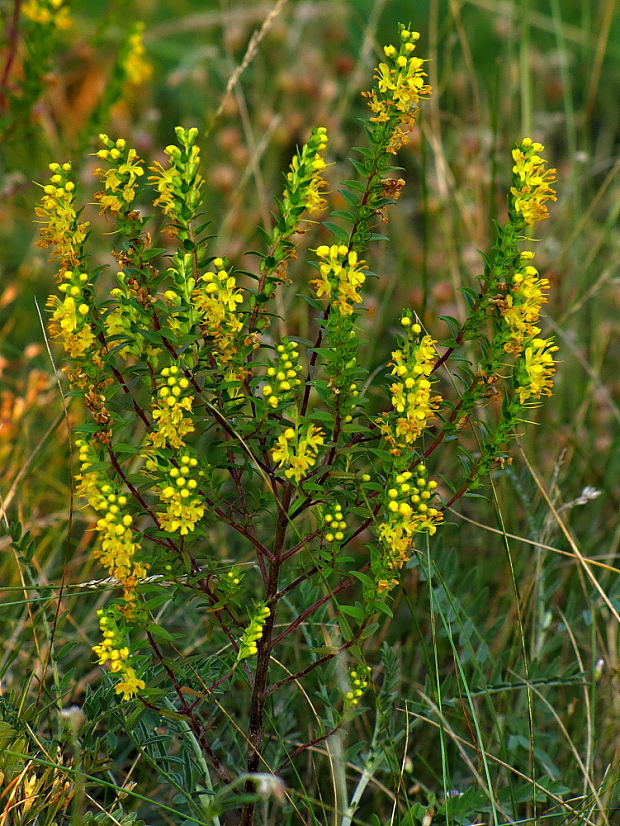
point(297, 459)
point(254, 631)
point(412, 397)
point(171, 422)
point(342, 274)
point(284, 371)
point(135, 64)
point(304, 182)
point(358, 680)
point(404, 518)
point(216, 300)
point(179, 493)
point(113, 650)
point(522, 307)
point(400, 85)
point(531, 187)
point(53, 13)
point(534, 372)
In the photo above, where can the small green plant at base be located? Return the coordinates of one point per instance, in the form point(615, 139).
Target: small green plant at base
point(203, 417)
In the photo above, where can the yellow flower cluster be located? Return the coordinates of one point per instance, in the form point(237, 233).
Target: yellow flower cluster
point(253, 633)
point(531, 187)
point(534, 372)
point(334, 524)
point(342, 274)
point(89, 482)
point(296, 450)
point(116, 547)
point(412, 397)
point(180, 495)
point(521, 308)
point(400, 85)
point(136, 66)
point(70, 317)
point(303, 180)
point(217, 298)
point(383, 586)
point(113, 650)
point(409, 511)
point(285, 372)
point(358, 679)
point(120, 181)
point(173, 401)
point(46, 12)
point(61, 229)
point(179, 185)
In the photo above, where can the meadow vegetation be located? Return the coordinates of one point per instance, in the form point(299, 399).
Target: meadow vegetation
point(309, 432)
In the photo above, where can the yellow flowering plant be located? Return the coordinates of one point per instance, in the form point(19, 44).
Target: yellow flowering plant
point(207, 415)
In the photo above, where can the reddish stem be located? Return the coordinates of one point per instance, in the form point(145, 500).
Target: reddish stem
point(11, 52)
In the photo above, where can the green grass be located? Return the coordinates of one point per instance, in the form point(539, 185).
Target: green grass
point(498, 674)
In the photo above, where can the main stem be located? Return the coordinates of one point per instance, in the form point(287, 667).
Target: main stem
point(256, 728)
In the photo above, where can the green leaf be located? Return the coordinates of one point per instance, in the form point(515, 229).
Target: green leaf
point(366, 581)
point(339, 233)
point(345, 214)
point(123, 447)
point(356, 611)
point(360, 168)
point(384, 608)
point(159, 633)
point(369, 631)
point(452, 323)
